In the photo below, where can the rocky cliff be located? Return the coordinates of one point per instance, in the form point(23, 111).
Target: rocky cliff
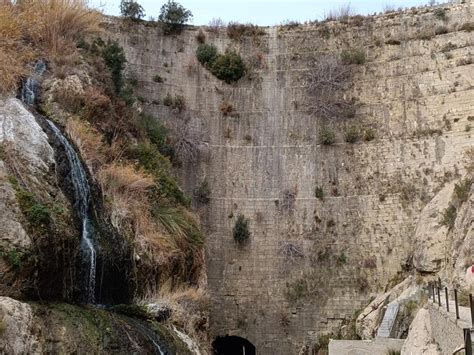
point(99, 251)
point(351, 210)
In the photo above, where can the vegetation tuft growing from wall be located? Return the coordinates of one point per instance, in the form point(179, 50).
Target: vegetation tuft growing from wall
point(241, 230)
point(228, 67)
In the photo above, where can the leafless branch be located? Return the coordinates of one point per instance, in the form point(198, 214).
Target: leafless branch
point(341, 13)
point(187, 141)
point(291, 251)
point(326, 82)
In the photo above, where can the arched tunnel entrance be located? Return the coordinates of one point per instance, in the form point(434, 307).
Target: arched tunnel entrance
point(232, 345)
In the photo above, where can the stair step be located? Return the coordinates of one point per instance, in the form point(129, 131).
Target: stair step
point(388, 320)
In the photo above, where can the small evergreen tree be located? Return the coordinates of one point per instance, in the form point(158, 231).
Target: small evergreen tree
point(241, 230)
point(173, 16)
point(114, 58)
point(131, 9)
point(228, 67)
point(206, 54)
point(202, 193)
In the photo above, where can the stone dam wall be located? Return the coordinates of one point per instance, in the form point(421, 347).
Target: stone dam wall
point(416, 94)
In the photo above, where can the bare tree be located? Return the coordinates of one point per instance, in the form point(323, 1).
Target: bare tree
point(327, 81)
point(387, 8)
point(290, 253)
point(186, 139)
point(341, 13)
point(216, 24)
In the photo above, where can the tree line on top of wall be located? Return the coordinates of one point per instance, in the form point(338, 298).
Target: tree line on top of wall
point(173, 16)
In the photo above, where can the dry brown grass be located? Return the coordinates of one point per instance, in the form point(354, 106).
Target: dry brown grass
point(14, 53)
point(58, 24)
point(89, 142)
point(32, 28)
point(189, 308)
point(163, 234)
point(127, 192)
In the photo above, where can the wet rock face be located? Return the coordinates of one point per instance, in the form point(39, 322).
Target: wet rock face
point(22, 134)
point(25, 147)
point(67, 329)
point(13, 234)
point(37, 234)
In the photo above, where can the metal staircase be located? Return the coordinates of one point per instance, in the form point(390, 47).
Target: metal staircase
point(388, 320)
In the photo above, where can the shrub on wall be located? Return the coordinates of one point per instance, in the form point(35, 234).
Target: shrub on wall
point(353, 56)
point(202, 193)
point(228, 67)
point(449, 217)
point(319, 193)
point(237, 30)
point(177, 103)
point(157, 79)
point(440, 30)
point(201, 37)
point(173, 16)
point(440, 14)
point(241, 230)
point(467, 26)
point(327, 136)
point(351, 134)
point(206, 54)
point(369, 134)
point(462, 189)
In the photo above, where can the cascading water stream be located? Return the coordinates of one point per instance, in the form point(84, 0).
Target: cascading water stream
point(30, 87)
point(82, 203)
point(82, 197)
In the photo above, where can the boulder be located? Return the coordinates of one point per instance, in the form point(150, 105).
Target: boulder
point(419, 340)
point(23, 136)
point(17, 328)
point(25, 152)
point(430, 236)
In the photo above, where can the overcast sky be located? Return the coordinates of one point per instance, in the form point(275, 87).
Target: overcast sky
point(261, 12)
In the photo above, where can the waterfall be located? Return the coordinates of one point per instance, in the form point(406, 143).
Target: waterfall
point(151, 335)
point(82, 197)
point(30, 87)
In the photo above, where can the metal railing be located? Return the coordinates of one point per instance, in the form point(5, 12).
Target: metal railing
point(435, 294)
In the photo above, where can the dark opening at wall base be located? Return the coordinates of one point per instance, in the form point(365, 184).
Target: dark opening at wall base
point(232, 345)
